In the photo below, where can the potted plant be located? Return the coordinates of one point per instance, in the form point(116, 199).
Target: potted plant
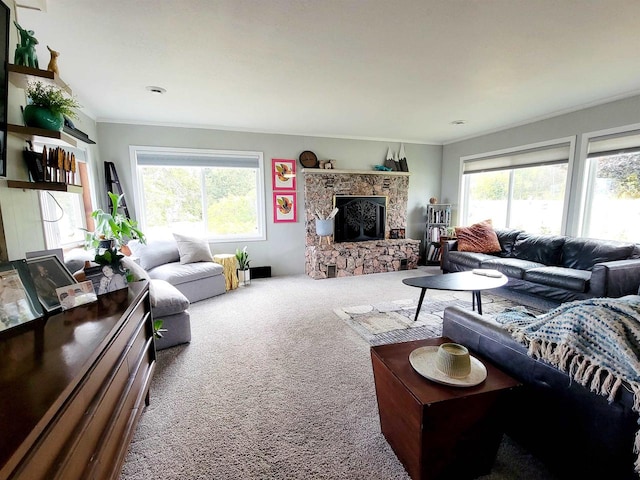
point(244, 274)
point(47, 107)
point(112, 232)
point(157, 328)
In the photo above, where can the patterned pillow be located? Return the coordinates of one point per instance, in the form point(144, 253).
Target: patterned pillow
point(479, 237)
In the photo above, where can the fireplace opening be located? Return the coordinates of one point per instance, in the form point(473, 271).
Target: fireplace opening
point(359, 218)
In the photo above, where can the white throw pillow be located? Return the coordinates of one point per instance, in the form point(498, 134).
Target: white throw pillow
point(193, 249)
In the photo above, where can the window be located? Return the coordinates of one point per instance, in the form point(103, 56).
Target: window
point(65, 214)
point(523, 189)
point(612, 209)
point(210, 193)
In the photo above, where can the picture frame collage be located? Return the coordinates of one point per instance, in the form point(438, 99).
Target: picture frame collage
point(37, 287)
point(283, 179)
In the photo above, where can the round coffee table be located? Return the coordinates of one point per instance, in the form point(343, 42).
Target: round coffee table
point(457, 281)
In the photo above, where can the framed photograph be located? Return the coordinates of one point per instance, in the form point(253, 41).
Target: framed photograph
point(397, 233)
point(283, 173)
point(106, 278)
point(285, 208)
point(76, 294)
point(49, 274)
point(18, 298)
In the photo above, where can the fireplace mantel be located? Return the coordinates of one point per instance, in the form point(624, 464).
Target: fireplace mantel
point(321, 171)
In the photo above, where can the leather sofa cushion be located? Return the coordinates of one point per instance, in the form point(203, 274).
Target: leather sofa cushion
point(584, 253)
point(567, 278)
point(511, 267)
point(545, 249)
point(468, 260)
point(507, 238)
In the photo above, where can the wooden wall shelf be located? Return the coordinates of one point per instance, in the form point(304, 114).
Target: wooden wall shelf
point(32, 133)
point(53, 186)
point(20, 76)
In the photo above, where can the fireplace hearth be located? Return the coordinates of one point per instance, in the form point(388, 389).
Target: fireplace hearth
point(360, 218)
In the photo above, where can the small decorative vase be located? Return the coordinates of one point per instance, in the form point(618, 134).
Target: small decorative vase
point(244, 277)
point(42, 117)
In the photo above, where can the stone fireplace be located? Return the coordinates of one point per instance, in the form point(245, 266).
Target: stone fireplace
point(366, 255)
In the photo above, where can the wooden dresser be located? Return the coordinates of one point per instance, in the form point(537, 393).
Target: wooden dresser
point(72, 388)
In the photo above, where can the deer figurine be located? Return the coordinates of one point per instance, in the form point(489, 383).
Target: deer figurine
point(53, 63)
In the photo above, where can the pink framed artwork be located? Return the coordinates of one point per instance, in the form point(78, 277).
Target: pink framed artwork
point(285, 208)
point(283, 174)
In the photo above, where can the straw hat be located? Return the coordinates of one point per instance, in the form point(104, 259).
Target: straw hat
point(425, 361)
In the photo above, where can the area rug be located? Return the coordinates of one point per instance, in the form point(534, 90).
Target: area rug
point(391, 322)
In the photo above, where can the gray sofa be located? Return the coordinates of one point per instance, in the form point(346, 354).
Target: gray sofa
point(177, 277)
point(167, 304)
point(162, 260)
point(558, 268)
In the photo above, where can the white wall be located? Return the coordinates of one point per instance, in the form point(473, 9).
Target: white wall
point(284, 248)
point(614, 114)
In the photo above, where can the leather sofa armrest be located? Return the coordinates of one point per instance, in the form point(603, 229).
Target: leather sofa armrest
point(615, 279)
point(450, 245)
point(470, 328)
point(447, 246)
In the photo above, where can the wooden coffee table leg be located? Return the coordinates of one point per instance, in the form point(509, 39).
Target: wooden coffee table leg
point(422, 292)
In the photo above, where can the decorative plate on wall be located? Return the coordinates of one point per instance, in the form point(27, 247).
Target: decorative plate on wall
point(308, 159)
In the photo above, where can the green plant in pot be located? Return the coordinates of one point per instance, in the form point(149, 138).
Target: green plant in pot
point(112, 232)
point(244, 274)
point(47, 106)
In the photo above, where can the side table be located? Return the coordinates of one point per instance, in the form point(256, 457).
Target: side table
point(438, 431)
point(228, 262)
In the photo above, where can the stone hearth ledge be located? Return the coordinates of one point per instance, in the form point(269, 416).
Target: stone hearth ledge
point(361, 258)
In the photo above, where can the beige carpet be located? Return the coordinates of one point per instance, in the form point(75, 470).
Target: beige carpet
point(275, 386)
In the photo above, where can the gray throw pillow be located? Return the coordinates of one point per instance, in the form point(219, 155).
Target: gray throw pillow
point(193, 249)
point(155, 252)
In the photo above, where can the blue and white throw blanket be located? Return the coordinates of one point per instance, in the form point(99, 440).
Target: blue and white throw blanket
point(596, 341)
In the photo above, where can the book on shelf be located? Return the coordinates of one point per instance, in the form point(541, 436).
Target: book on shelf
point(433, 255)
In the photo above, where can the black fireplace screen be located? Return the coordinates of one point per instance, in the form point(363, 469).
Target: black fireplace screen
point(359, 218)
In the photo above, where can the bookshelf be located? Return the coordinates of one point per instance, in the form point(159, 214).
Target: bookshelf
point(438, 220)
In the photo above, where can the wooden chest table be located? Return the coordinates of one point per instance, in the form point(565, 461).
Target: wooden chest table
point(435, 430)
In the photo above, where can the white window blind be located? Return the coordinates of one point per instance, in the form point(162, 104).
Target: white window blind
point(552, 155)
point(615, 144)
point(226, 159)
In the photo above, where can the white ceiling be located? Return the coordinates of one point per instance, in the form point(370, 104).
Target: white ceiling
point(398, 70)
